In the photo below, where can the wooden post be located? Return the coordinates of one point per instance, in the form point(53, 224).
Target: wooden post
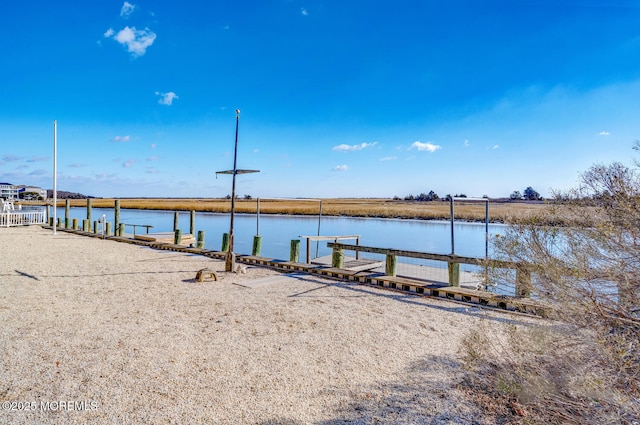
point(523, 282)
point(95, 226)
point(225, 242)
point(454, 274)
point(177, 238)
point(294, 256)
point(89, 208)
point(107, 231)
point(116, 216)
point(390, 265)
point(175, 221)
point(85, 225)
point(257, 246)
point(59, 222)
point(308, 250)
point(200, 242)
point(67, 206)
point(337, 258)
point(75, 224)
point(192, 223)
point(51, 221)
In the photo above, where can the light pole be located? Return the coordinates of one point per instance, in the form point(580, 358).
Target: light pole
point(230, 262)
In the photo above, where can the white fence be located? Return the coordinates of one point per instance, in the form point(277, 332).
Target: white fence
point(22, 217)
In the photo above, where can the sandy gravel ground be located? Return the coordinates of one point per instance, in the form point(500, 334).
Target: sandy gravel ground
point(100, 332)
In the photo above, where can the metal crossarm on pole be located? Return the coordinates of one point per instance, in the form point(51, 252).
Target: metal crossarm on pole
point(231, 259)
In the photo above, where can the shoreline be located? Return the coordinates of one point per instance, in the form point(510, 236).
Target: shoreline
point(469, 211)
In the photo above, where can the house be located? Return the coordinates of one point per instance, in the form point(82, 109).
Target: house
point(8, 191)
point(32, 193)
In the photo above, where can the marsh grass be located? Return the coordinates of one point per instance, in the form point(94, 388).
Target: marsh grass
point(545, 373)
point(379, 208)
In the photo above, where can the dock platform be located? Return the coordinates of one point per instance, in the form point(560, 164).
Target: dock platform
point(166, 237)
point(429, 274)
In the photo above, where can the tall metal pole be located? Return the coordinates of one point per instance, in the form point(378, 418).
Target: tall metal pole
point(258, 218)
point(453, 239)
point(231, 260)
point(319, 221)
point(486, 229)
point(55, 174)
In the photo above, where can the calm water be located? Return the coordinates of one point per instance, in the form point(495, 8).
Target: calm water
point(277, 231)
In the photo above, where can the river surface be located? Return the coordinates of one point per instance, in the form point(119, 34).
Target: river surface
point(277, 231)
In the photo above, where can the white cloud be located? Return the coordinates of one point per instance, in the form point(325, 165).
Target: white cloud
point(129, 163)
point(9, 158)
point(121, 138)
point(153, 158)
point(495, 147)
point(466, 144)
point(603, 133)
point(38, 159)
point(428, 146)
point(350, 148)
point(166, 98)
point(127, 9)
point(304, 12)
point(153, 145)
point(340, 168)
point(77, 165)
point(389, 158)
point(136, 41)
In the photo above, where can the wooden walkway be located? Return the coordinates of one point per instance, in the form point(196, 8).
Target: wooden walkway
point(428, 274)
point(352, 263)
point(166, 237)
point(433, 287)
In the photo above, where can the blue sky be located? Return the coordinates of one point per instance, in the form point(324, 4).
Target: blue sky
point(337, 98)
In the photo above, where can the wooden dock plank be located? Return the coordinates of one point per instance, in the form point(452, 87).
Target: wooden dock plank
point(166, 237)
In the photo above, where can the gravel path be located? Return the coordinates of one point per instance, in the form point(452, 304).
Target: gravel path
point(101, 332)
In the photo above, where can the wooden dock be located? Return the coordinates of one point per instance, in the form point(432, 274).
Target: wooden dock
point(410, 278)
point(428, 274)
point(351, 263)
point(166, 237)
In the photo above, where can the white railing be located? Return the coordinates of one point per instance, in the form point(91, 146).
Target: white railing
point(22, 218)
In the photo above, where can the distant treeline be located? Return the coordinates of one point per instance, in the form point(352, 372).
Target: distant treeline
point(61, 194)
point(529, 194)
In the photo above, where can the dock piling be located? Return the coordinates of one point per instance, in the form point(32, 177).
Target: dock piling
point(257, 245)
point(67, 206)
point(454, 273)
point(294, 255)
point(200, 242)
point(116, 216)
point(390, 265)
point(89, 209)
point(337, 258)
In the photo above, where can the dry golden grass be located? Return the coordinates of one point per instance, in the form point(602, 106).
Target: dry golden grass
point(364, 207)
